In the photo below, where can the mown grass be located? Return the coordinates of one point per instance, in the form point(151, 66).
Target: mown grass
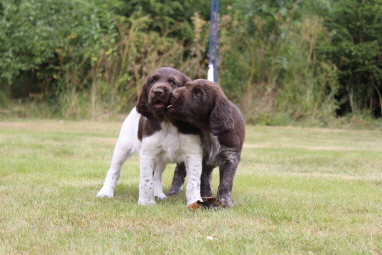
point(297, 191)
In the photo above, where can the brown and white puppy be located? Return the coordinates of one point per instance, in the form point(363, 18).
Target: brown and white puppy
point(158, 139)
point(203, 104)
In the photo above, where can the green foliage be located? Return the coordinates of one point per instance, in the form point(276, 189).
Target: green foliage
point(28, 35)
point(172, 18)
point(280, 61)
point(355, 48)
point(37, 37)
point(94, 60)
point(278, 72)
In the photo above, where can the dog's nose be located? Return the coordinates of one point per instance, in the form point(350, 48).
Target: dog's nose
point(158, 92)
point(174, 94)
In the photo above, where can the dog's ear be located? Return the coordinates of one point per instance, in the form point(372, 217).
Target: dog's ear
point(221, 118)
point(185, 79)
point(143, 101)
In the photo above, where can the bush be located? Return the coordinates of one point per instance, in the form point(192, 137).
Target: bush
point(280, 61)
point(355, 29)
point(87, 59)
point(271, 68)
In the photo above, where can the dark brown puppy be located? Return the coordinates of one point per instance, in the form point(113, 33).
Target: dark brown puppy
point(203, 104)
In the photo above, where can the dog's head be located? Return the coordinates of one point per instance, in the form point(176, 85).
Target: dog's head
point(203, 104)
point(156, 91)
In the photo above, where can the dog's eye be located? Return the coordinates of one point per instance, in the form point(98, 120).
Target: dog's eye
point(197, 93)
point(153, 81)
point(173, 83)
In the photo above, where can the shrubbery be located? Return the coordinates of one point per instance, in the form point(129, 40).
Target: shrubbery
point(280, 61)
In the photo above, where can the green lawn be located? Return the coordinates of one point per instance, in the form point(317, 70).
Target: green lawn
point(297, 191)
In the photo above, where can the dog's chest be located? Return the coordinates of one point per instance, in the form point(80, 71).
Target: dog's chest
point(168, 144)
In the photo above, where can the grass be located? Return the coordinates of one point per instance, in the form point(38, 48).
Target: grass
point(297, 191)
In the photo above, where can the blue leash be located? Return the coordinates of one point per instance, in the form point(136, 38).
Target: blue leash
point(214, 38)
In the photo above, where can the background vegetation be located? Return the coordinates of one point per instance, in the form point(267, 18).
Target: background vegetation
point(281, 61)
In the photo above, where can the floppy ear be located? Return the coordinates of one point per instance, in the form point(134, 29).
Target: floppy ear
point(185, 79)
point(143, 101)
point(221, 116)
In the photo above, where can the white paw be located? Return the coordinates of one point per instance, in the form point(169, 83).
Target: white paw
point(146, 202)
point(161, 196)
point(105, 193)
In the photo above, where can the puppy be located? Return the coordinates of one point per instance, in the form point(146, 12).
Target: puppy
point(158, 139)
point(203, 104)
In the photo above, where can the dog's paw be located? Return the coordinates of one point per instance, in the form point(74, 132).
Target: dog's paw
point(146, 202)
point(105, 193)
point(226, 201)
point(161, 196)
point(174, 191)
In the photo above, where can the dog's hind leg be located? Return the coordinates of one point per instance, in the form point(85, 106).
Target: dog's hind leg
point(178, 179)
point(127, 144)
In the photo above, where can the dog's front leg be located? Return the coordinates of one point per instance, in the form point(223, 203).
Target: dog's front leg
point(206, 178)
point(194, 171)
point(146, 184)
point(227, 173)
point(158, 187)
